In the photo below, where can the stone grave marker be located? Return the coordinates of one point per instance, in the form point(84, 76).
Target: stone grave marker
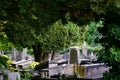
point(13, 76)
point(73, 56)
point(23, 54)
point(19, 55)
point(14, 51)
point(1, 52)
point(84, 49)
point(1, 75)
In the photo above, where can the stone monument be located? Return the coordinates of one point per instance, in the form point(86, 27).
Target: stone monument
point(14, 51)
point(84, 49)
point(24, 53)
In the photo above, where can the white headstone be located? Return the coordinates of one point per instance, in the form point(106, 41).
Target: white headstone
point(84, 49)
point(13, 76)
point(24, 53)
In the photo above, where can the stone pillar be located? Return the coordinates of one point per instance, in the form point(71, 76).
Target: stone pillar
point(1, 75)
point(84, 49)
point(74, 56)
point(13, 76)
point(14, 54)
point(24, 53)
point(1, 52)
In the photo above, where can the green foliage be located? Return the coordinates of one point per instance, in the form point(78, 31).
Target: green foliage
point(36, 15)
point(91, 33)
point(5, 61)
point(18, 38)
point(115, 55)
point(60, 36)
point(5, 44)
point(97, 48)
point(32, 65)
point(110, 41)
point(112, 59)
point(111, 75)
point(30, 51)
point(101, 6)
point(27, 23)
point(27, 76)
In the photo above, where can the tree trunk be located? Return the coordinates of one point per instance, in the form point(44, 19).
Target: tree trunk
point(37, 53)
point(45, 56)
point(53, 55)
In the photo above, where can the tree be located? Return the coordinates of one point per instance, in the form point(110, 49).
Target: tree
point(110, 40)
point(92, 34)
point(32, 18)
point(25, 16)
point(60, 36)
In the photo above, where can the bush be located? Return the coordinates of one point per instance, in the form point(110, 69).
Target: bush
point(32, 65)
point(112, 58)
point(5, 61)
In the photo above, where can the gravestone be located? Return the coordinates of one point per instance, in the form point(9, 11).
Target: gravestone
point(74, 55)
point(1, 75)
point(13, 76)
point(84, 49)
point(1, 52)
point(14, 54)
point(23, 54)
point(19, 55)
point(92, 57)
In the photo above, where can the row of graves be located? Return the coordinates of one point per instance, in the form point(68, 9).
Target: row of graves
point(74, 63)
point(20, 61)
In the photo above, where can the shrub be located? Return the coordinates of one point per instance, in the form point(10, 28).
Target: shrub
point(32, 65)
point(5, 61)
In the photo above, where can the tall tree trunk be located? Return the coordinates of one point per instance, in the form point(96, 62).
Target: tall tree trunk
point(37, 52)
